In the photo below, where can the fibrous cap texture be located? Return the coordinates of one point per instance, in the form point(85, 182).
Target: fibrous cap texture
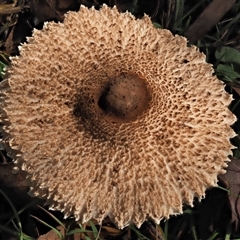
point(113, 117)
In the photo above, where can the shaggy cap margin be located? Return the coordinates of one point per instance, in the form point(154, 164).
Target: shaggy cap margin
point(92, 163)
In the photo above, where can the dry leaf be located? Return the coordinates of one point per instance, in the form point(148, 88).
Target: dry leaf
point(232, 180)
point(210, 16)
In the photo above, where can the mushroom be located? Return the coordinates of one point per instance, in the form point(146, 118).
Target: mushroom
point(110, 116)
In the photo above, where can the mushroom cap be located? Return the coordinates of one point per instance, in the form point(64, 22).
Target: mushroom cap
point(92, 154)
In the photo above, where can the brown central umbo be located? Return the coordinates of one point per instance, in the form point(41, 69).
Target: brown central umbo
point(106, 102)
point(125, 97)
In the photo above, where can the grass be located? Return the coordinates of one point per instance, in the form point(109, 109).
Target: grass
point(15, 220)
point(17, 230)
point(221, 47)
point(64, 229)
point(4, 62)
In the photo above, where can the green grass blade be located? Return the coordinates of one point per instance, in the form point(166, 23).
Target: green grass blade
point(194, 233)
point(9, 230)
point(231, 23)
point(94, 230)
point(14, 211)
point(141, 236)
point(134, 5)
point(59, 234)
point(2, 66)
point(16, 233)
point(53, 217)
point(235, 105)
point(166, 230)
point(214, 235)
point(22, 210)
point(180, 19)
point(179, 4)
point(222, 188)
point(228, 237)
